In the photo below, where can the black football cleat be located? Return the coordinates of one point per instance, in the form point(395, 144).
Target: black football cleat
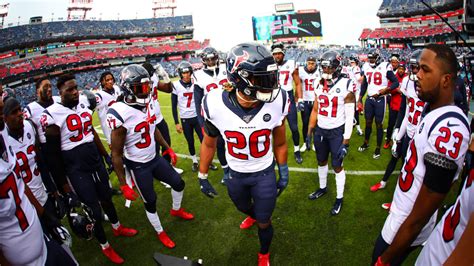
point(298, 158)
point(318, 194)
point(213, 167)
point(195, 167)
point(337, 207)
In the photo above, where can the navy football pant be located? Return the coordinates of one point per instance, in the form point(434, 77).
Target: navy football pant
point(402, 151)
point(328, 141)
point(374, 108)
point(305, 115)
point(191, 125)
point(293, 119)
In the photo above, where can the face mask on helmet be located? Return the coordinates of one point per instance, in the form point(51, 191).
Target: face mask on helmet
point(262, 86)
point(328, 73)
point(140, 92)
point(414, 68)
point(210, 61)
point(373, 60)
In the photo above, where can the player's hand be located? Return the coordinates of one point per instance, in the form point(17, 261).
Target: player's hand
point(71, 199)
point(300, 105)
point(394, 134)
point(160, 71)
point(173, 156)
point(60, 205)
point(179, 128)
point(284, 174)
point(468, 160)
point(395, 149)
point(50, 221)
point(128, 192)
point(380, 263)
point(110, 165)
point(307, 141)
point(343, 150)
point(207, 188)
point(360, 106)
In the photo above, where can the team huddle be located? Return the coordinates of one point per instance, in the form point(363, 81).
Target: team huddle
point(54, 164)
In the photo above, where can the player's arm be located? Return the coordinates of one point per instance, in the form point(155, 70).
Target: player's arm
point(198, 95)
point(165, 87)
point(118, 136)
point(313, 118)
point(297, 81)
point(99, 144)
point(160, 140)
point(462, 253)
point(280, 147)
point(349, 110)
point(363, 88)
point(440, 172)
point(3, 260)
point(394, 83)
point(402, 119)
point(208, 148)
point(174, 110)
point(54, 157)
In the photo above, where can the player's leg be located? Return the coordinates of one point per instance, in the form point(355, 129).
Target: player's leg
point(379, 117)
point(57, 255)
point(388, 171)
point(381, 245)
point(357, 122)
point(239, 192)
point(292, 118)
point(322, 154)
point(335, 142)
point(308, 106)
point(189, 136)
point(165, 132)
point(392, 119)
point(369, 113)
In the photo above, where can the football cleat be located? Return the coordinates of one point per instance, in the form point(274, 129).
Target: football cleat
point(195, 167)
point(387, 144)
point(337, 207)
point(359, 132)
point(298, 158)
point(303, 148)
point(181, 214)
point(363, 147)
point(124, 231)
point(264, 259)
point(165, 184)
point(213, 167)
point(318, 194)
point(178, 170)
point(386, 206)
point(376, 153)
point(247, 223)
point(166, 240)
point(112, 255)
point(377, 186)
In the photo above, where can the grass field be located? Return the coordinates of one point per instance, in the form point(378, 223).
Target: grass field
point(305, 232)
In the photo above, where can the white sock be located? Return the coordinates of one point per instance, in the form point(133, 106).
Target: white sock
point(323, 176)
point(104, 246)
point(358, 128)
point(297, 148)
point(155, 221)
point(194, 158)
point(116, 226)
point(177, 198)
point(340, 182)
point(383, 183)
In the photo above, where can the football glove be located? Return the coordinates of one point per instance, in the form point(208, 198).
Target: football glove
point(128, 192)
point(160, 71)
point(205, 186)
point(172, 155)
point(380, 263)
point(395, 149)
point(108, 161)
point(360, 107)
point(394, 134)
point(71, 200)
point(300, 105)
point(343, 150)
point(282, 183)
point(308, 142)
point(60, 205)
point(50, 222)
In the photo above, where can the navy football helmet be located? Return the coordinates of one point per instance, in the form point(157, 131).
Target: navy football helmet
point(354, 58)
point(183, 67)
point(374, 57)
point(331, 65)
point(82, 224)
point(136, 85)
point(252, 70)
point(413, 64)
point(209, 57)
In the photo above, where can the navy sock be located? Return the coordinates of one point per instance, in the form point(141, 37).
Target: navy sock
point(368, 131)
point(265, 236)
point(379, 136)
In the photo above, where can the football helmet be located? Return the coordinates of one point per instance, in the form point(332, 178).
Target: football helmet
point(252, 70)
point(354, 58)
point(210, 58)
point(413, 64)
point(82, 224)
point(184, 67)
point(136, 85)
point(330, 65)
point(374, 57)
point(7, 92)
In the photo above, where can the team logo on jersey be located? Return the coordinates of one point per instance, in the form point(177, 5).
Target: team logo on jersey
point(247, 118)
point(239, 59)
point(28, 135)
point(338, 90)
point(82, 105)
point(267, 117)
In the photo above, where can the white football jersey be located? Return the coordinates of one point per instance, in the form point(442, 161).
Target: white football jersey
point(450, 228)
point(154, 99)
point(307, 79)
point(104, 100)
point(443, 131)
point(208, 82)
point(25, 151)
point(20, 227)
point(185, 94)
point(285, 74)
point(354, 74)
point(330, 100)
point(140, 126)
point(376, 77)
point(248, 135)
point(33, 111)
point(75, 124)
point(414, 106)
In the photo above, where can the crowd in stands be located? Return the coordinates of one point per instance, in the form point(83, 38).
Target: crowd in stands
point(408, 32)
point(404, 8)
point(13, 37)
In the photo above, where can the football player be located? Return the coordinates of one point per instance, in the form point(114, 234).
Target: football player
point(134, 136)
point(251, 120)
point(212, 76)
point(75, 149)
point(332, 120)
point(288, 73)
point(395, 96)
point(376, 76)
point(355, 75)
point(182, 99)
point(105, 98)
point(434, 159)
point(411, 118)
point(308, 74)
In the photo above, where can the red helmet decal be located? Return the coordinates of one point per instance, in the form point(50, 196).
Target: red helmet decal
point(239, 59)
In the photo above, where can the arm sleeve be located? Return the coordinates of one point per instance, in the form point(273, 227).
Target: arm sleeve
point(54, 159)
point(174, 108)
point(198, 95)
point(440, 172)
point(401, 113)
point(363, 88)
point(393, 79)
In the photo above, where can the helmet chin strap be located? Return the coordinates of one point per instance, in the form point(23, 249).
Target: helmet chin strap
point(244, 100)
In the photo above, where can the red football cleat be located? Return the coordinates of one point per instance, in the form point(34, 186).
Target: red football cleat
point(112, 255)
point(182, 214)
point(166, 240)
point(124, 231)
point(376, 187)
point(247, 223)
point(386, 206)
point(264, 259)
point(387, 145)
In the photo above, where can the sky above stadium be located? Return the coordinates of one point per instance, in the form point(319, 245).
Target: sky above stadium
point(226, 23)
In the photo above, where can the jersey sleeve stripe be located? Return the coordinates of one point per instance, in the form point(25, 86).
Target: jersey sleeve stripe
point(116, 114)
point(448, 115)
point(284, 96)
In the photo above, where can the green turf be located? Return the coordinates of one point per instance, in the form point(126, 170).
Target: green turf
point(305, 233)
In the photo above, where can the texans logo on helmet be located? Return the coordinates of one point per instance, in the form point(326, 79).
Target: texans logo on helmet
point(239, 59)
